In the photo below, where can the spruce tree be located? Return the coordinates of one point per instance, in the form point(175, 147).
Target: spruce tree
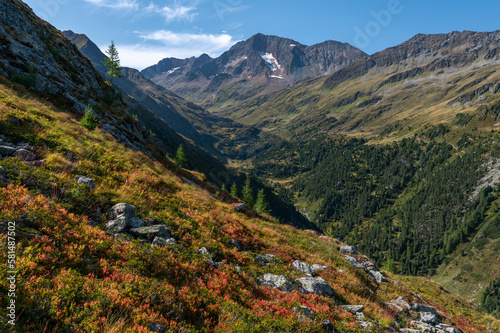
point(247, 194)
point(261, 205)
point(234, 190)
point(223, 188)
point(181, 158)
point(113, 62)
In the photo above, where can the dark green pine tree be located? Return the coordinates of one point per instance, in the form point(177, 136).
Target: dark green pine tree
point(234, 190)
point(113, 62)
point(223, 188)
point(247, 194)
point(261, 205)
point(181, 158)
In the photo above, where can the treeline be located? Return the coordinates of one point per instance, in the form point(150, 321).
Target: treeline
point(406, 202)
point(490, 299)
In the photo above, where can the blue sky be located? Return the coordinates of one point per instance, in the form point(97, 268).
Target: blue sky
point(150, 30)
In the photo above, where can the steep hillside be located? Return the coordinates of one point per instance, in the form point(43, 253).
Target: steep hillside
point(180, 258)
point(259, 65)
point(219, 136)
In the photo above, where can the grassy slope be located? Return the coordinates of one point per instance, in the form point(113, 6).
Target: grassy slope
point(75, 277)
point(399, 108)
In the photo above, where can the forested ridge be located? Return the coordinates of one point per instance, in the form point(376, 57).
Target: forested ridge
point(407, 204)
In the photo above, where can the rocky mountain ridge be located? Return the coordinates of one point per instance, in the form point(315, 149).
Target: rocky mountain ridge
point(260, 64)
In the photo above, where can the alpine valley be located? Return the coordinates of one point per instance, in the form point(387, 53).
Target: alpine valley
point(278, 187)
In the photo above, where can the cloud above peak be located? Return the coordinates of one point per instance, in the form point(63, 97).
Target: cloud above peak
point(162, 44)
point(185, 11)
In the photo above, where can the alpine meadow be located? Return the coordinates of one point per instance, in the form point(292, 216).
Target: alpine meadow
point(184, 172)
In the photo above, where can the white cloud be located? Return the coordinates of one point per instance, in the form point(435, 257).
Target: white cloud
point(176, 45)
point(173, 13)
point(212, 42)
point(115, 4)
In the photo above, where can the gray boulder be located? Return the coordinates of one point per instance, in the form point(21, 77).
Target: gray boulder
point(122, 209)
point(117, 225)
point(204, 251)
point(236, 245)
point(303, 267)
point(86, 181)
point(348, 249)
point(354, 262)
point(429, 318)
point(377, 276)
point(265, 259)
point(317, 286)
point(150, 232)
point(157, 328)
point(400, 304)
point(160, 241)
point(424, 308)
point(239, 207)
point(25, 155)
point(317, 267)
point(6, 150)
point(275, 281)
point(353, 308)
point(305, 314)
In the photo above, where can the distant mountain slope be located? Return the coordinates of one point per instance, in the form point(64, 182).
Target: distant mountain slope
point(428, 79)
point(221, 137)
point(260, 64)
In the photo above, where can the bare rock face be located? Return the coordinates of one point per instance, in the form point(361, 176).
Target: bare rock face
point(35, 54)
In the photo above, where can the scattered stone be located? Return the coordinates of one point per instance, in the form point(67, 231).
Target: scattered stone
point(306, 314)
point(424, 308)
point(317, 286)
point(160, 241)
point(400, 304)
point(360, 316)
point(265, 259)
point(327, 325)
point(239, 207)
point(117, 225)
point(157, 328)
point(86, 181)
point(204, 251)
point(354, 262)
point(409, 330)
point(429, 318)
point(190, 182)
point(236, 245)
point(276, 281)
point(150, 232)
point(25, 155)
point(6, 150)
point(377, 276)
point(122, 209)
point(317, 267)
point(303, 267)
point(354, 308)
point(365, 324)
point(348, 249)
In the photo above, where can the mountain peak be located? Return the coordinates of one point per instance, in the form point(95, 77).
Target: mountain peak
point(267, 61)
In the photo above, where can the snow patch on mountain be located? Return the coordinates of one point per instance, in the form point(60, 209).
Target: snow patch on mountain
point(172, 70)
point(270, 60)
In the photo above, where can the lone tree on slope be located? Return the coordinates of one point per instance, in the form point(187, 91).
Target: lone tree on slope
point(113, 62)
